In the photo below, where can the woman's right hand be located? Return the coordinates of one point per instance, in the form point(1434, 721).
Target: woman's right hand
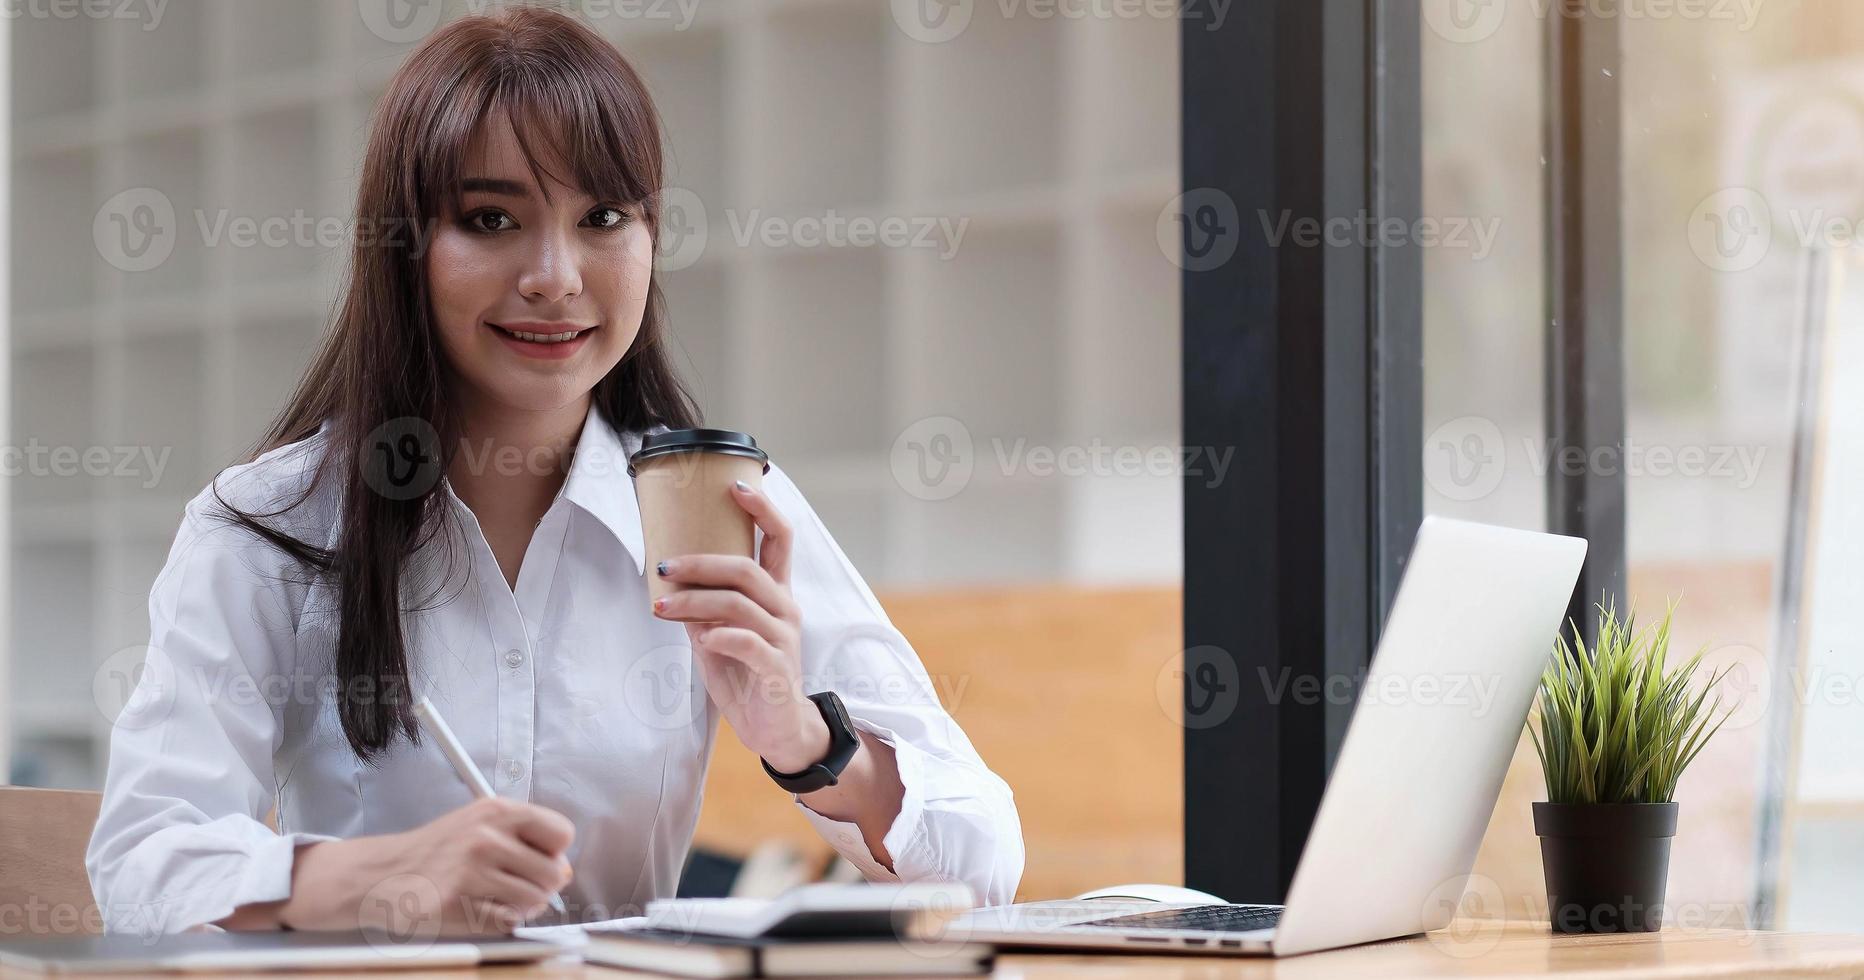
point(484, 868)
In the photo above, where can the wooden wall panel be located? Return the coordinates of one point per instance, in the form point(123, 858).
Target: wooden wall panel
point(1058, 689)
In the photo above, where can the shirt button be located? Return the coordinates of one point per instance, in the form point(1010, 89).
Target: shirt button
point(514, 770)
point(513, 658)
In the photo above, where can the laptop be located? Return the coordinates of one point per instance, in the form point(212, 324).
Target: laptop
point(192, 952)
point(1416, 779)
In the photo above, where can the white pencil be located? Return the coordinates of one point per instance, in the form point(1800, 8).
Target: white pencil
point(462, 763)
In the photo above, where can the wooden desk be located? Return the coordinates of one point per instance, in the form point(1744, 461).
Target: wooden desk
point(1477, 949)
point(1495, 950)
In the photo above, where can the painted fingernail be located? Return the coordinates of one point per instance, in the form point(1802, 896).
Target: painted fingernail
point(660, 604)
point(663, 568)
point(743, 487)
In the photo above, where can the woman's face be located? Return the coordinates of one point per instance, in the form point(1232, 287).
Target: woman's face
point(511, 262)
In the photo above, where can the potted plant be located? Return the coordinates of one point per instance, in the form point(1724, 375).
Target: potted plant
point(1614, 727)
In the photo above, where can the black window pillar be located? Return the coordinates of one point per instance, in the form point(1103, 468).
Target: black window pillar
point(1585, 293)
point(1302, 353)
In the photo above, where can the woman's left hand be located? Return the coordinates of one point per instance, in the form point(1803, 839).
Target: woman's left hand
point(746, 632)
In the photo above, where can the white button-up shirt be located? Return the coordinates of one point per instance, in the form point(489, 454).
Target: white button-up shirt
point(567, 692)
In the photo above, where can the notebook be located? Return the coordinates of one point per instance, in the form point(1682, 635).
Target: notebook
point(688, 955)
point(819, 910)
point(245, 952)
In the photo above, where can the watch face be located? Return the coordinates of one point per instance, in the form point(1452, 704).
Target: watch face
point(844, 740)
point(843, 743)
point(833, 701)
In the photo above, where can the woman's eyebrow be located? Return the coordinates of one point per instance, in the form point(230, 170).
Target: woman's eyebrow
point(495, 185)
point(504, 186)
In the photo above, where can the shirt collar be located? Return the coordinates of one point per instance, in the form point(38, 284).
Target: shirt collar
point(599, 483)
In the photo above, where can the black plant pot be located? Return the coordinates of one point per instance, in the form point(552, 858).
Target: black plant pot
point(1606, 864)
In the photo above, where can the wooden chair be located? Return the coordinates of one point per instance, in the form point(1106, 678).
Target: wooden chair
point(43, 885)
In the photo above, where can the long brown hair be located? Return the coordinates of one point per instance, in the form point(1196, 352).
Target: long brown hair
point(380, 366)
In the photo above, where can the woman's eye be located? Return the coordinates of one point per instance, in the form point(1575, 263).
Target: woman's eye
point(608, 217)
point(487, 220)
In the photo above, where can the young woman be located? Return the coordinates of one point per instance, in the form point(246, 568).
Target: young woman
point(443, 509)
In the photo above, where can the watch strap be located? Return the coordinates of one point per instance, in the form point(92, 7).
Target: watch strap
point(843, 742)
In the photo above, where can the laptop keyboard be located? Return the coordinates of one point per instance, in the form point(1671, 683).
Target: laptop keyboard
point(1203, 918)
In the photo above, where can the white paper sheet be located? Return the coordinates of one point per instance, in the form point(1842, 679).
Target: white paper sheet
point(577, 933)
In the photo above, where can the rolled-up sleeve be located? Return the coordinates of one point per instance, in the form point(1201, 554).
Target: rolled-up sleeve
point(180, 839)
point(957, 819)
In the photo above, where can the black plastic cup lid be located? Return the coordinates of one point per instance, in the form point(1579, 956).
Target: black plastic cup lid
point(698, 441)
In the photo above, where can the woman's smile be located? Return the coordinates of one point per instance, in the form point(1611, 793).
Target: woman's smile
point(545, 340)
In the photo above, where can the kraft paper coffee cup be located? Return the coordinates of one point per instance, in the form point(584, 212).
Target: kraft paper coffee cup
point(683, 481)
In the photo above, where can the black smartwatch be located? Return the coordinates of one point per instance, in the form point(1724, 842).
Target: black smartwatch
point(842, 741)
